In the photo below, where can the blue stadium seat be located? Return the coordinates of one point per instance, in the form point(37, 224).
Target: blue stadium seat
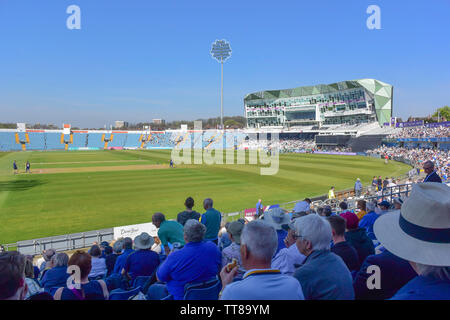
point(119, 294)
point(144, 282)
point(169, 297)
point(207, 290)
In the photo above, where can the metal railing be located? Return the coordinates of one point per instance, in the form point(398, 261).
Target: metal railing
point(63, 242)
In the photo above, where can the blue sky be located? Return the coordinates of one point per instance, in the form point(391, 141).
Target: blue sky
point(136, 60)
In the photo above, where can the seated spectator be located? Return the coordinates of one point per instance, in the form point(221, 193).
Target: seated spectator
point(419, 234)
point(398, 202)
point(89, 289)
point(277, 217)
point(224, 237)
point(384, 206)
point(233, 251)
point(187, 214)
point(313, 237)
point(111, 257)
point(33, 285)
point(320, 211)
point(142, 262)
point(343, 206)
point(46, 264)
point(357, 237)
point(13, 285)
point(127, 250)
point(327, 211)
point(98, 269)
point(288, 259)
point(302, 206)
point(341, 247)
point(395, 273)
point(56, 276)
point(169, 231)
point(197, 261)
point(104, 247)
point(369, 219)
point(211, 219)
point(361, 206)
point(259, 242)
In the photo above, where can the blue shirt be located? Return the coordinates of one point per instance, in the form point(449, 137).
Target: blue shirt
point(367, 223)
point(424, 288)
point(259, 205)
point(55, 277)
point(141, 263)
point(282, 234)
point(395, 273)
point(324, 276)
point(120, 262)
point(92, 291)
point(264, 284)
point(195, 262)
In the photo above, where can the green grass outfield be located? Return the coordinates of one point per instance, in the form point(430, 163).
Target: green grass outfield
point(40, 205)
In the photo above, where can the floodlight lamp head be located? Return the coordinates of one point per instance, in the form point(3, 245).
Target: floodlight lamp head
point(221, 50)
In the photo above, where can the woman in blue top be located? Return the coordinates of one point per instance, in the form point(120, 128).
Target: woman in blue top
point(89, 290)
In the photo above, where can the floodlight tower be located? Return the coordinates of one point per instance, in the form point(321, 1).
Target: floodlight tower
point(221, 51)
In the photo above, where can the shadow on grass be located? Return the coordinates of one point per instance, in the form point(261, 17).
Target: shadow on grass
point(19, 185)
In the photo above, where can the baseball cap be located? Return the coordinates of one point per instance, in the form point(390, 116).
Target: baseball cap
point(384, 203)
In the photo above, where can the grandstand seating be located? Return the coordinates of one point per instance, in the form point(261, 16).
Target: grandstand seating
point(119, 294)
point(365, 142)
point(53, 141)
point(208, 290)
point(8, 142)
point(79, 140)
point(37, 141)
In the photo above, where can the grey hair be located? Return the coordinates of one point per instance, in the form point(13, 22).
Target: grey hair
point(208, 202)
point(194, 231)
point(60, 259)
point(315, 229)
point(371, 206)
point(441, 273)
point(261, 239)
point(118, 246)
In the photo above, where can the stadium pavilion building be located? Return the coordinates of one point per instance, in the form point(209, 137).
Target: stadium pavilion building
point(346, 102)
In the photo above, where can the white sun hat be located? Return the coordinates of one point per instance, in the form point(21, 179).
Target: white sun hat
point(420, 230)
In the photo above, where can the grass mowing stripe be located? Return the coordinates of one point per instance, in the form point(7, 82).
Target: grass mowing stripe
point(34, 206)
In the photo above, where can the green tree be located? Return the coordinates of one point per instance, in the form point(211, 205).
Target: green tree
point(444, 113)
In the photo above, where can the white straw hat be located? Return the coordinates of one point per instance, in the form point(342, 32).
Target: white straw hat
point(420, 231)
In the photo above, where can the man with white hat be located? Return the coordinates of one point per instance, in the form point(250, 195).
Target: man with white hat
point(420, 233)
point(144, 261)
point(278, 217)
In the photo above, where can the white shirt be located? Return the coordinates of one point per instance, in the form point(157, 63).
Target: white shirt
point(287, 258)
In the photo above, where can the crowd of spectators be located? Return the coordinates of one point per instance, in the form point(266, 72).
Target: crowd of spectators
point(418, 156)
point(422, 132)
point(291, 145)
point(313, 254)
